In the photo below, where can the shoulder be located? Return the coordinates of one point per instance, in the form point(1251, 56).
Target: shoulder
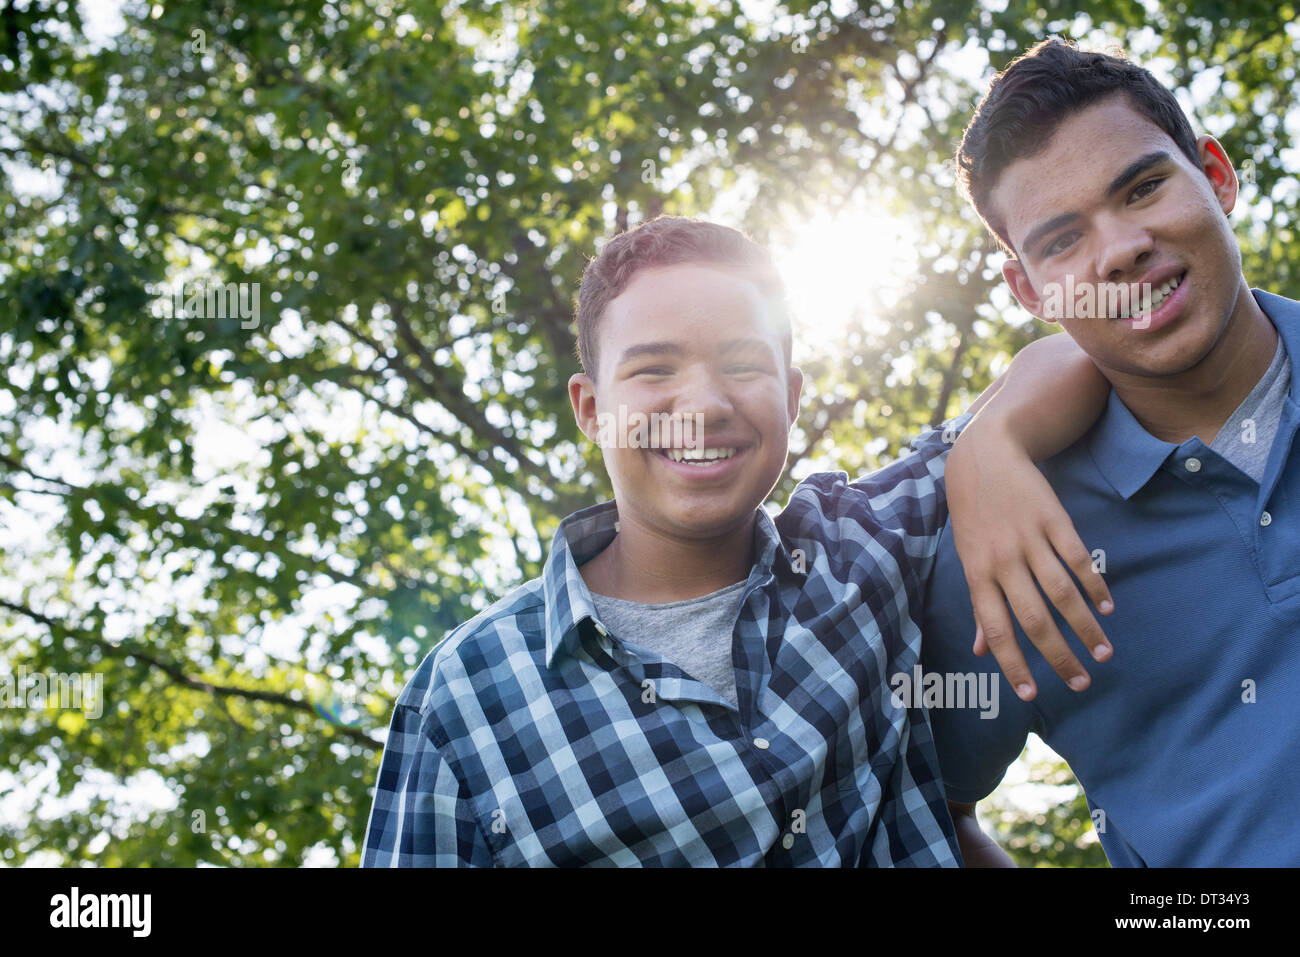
point(1277, 307)
point(819, 492)
point(513, 625)
point(906, 497)
point(824, 507)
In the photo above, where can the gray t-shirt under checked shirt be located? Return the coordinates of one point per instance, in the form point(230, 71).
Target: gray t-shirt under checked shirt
point(694, 634)
point(1247, 437)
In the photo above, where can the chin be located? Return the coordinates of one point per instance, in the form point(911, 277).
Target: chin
point(707, 521)
point(1162, 366)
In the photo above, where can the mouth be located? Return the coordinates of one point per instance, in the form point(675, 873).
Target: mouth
point(1164, 305)
point(700, 457)
point(1159, 295)
point(709, 462)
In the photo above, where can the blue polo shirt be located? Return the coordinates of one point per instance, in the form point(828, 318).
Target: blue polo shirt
point(1188, 740)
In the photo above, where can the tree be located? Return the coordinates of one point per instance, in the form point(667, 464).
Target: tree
point(1062, 832)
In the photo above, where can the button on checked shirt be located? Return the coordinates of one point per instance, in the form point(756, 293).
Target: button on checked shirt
point(533, 736)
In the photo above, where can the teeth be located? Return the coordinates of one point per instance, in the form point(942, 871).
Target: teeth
point(699, 456)
point(1160, 294)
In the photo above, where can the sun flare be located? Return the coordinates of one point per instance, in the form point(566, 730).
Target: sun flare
point(845, 272)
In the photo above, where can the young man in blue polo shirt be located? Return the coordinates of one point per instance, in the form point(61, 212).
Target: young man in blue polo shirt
point(1187, 489)
point(690, 681)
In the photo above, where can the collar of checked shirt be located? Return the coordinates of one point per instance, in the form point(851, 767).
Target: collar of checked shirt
point(585, 533)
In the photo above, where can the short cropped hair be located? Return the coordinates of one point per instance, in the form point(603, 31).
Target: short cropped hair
point(1030, 98)
point(670, 241)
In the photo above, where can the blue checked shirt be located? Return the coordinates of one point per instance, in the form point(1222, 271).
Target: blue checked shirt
point(533, 736)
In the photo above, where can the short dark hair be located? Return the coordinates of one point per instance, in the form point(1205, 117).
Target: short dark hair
point(670, 241)
point(1033, 95)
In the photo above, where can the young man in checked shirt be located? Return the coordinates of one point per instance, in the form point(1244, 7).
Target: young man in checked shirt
point(690, 681)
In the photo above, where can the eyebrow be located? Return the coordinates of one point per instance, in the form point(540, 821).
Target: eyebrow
point(650, 349)
point(1126, 176)
point(1047, 228)
point(673, 349)
point(1134, 170)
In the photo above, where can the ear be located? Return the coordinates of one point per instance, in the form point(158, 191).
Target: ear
point(1014, 273)
point(1218, 170)
point(582, 396)
point(794, 380)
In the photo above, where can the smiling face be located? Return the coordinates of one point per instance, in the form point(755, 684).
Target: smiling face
point(1112, 200)
point(692, 343)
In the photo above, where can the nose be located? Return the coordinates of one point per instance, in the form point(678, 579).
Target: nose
point(1125, 248)
point(704, 391)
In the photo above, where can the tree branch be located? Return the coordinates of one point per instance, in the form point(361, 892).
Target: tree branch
point(178, 676)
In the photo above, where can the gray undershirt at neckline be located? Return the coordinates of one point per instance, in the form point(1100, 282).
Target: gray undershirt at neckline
point(1247, 437)
point(694, 634)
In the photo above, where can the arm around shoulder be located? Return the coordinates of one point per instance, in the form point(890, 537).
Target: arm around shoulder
point(1009, 527)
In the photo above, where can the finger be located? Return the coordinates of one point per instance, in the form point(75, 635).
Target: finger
point(981, 646)
point(1039, 627)
point(994, 627)
point(1085, 565)
point(1065, 596)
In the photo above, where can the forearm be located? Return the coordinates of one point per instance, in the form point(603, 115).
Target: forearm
point(1014, 538)
point(1047, 400)
point(977, 848)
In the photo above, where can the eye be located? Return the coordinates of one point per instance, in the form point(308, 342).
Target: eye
point(1060, 244)
point(1146, 189)
point(653, 370)
point(743, 370)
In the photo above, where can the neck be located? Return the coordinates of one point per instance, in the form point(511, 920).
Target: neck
point(1197, 402)
point(644, 565)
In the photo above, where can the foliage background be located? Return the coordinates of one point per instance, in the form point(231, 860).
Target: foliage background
point(254, 535)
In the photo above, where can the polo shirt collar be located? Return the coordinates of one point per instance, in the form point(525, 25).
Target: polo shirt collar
point(1128, 455)
point(586, 533)
point(1285, 316)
